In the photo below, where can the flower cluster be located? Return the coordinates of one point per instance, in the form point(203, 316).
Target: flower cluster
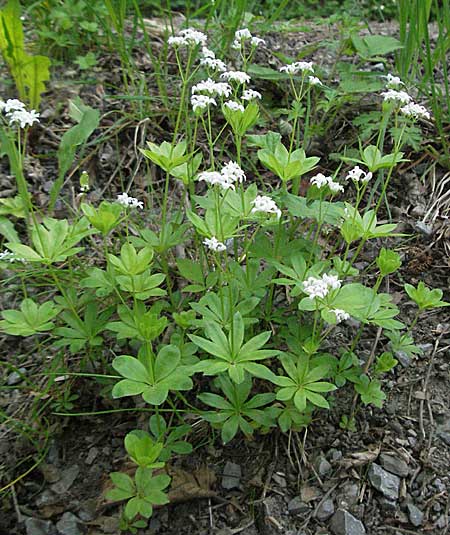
point(234, 106)
point(393, 82)
point(265, 204)
point(226, 178)
point(240, 36)
point(321, 180)
point(358, 175)
point(313, 80)
point(129, 202)
point(298, 66)
point(200, 102)
point(400, 97)
point(416, 111)
point(341, 315)
point(209, 60)
point(16, 113)
point(212, 88)
point(214, 244)
point(316, 287)
point(7, 256)
point(236, 76)
point(188, 37)
point(250, 94)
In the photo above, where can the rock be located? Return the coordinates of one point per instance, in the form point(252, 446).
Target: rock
point(443, 431)
point(335, 455)
point(403, 358)
point(441, 522)
point(388, 505)
point(348, 496)
point(297, 507)
point(68, 525)
point(90, 457)
point(50, 472)
point(88, 510)
point(36, 526)
point(280, 479)
point(385, 482)
point(425, 348)
point(395, 465)
point(323, 467)
point(46, 498)
point(415, 515)
point(439, 485)
point(231, 476)
point(67, 479)
point(325, 510)
point(343, 523)
point(15, 378)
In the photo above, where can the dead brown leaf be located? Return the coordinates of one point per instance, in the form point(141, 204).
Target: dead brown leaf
point(360, 458)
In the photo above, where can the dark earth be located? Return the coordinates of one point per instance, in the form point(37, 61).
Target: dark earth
point(391, 476)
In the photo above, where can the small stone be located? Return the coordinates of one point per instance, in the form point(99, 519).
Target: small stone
point(15, 378)
point(388, 505)
point(439, 485)
point(323, 467)
point(92, 454)
point(348, 496)
point(343, 523)
point(67, 479)
point(280, 479)
point(385, 482)
point(297, 507)
point(426, 348)
point(36, 526)
point(441, 522)
point(68, 525)
point(395, 465)
point(46, 498)
point(325, 510)
point(50, 472)
point(415, 515)
point(403, 358)
point(231, 476)
point(335, 455)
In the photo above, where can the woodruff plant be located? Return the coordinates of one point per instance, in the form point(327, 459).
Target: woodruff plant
point(268, 274)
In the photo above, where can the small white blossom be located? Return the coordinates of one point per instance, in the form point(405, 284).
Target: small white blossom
point(200, 102)
point(257, 41)
point(236, 76)
point(214, 64)
point(233, 173)
point(358, 175)
point(316, 287)
point(294, 68)
point(242, 34)
point(23, 118)
point(320, 180)
point(393, 82)
point(416, 111)
point(214, 244)
point(401, 97)
point(341, 315)
point(250, 94)
point(213, 88)
point(234, 106)
point(188, 37)
point(313, 80)
point(207, 53)
point(125, 200)
point(262, 203)
point(12, 104)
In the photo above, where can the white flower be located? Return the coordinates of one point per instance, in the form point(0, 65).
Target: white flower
point(213, 88)
point(250, 94)
point(416, 111)
point(401, 97)
point(200, 102)
point(234, 106)
point(358, 175)
point(321, 180)
point(236, 76)
point(188, 37)
point(315, 287)
point(341, 315)
point(294, 68)
point(207, 53)
point(127, 201)
point(23, 117)
point(262, 203)
point(393, 82)
point(313, 80)
point(242, 34)
point(256, 41)
point(214, 244)
point(233, 173)
point(212, 63)
point(12, 104)
point(7, 256)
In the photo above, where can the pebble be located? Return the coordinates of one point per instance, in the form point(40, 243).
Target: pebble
point(323, 467)
point(385, 482)
point(15, 378)
point(415, 515)
point(297, 507)
point(441, 522)
point(348, 496)
point(343, 523)
point(403, 358)
point(68, 525)
point(325, 510)
point(280, 479)
point(67, 479)
point(232, 474)
point(92, 454)
point(395, 465)
point(36, 526)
